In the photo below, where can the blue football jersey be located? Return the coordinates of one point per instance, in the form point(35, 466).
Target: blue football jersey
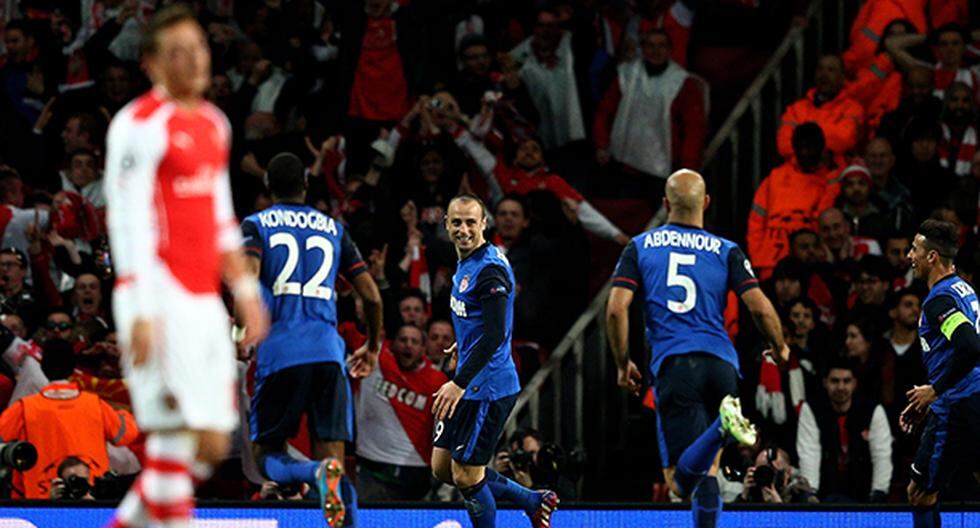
point(302, 250)
point(683, 274)
point(499, 378)
point(949, 301)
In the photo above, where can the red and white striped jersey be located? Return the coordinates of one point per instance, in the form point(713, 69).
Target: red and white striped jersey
point(394, 412)
point(170, 213)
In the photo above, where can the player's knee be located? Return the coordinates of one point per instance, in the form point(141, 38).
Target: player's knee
point(466, 476)
point(212, 447)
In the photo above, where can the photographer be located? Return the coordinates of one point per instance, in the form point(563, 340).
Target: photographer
point(537, 464)
point(74, 481)
point(774, 480)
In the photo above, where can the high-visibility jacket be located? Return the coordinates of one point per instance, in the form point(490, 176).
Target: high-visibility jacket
point(869, 27)
point(841, 119)
point(63, 421)
point(878, 89)
point(787, 200)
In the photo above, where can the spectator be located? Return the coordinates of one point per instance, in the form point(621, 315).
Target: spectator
point(844, 442)
point(872, 284)
point(917, 101)
point(835, 236)
point(62, 486)
point(840, 118)
point(810, 337)
point(15, 296)
point(59, 325)
point(64, 421)
point(395, 421)
point(959, 140)
point(383, 59)
point(652, 119)
point(897, 248)
point(904, 308)
point(673, 18)
point(83, 177)
point(12, 199)
point(476, 78)
point(774, 480)
point(536, 464)
point(413, 309)
point(86, 297)
point(889, 194)
point(510, 222)
point(440, 338)
point(529, 173)
point(789, 199)
point(855, 202)
point(82, 131)
point(868, 30)
point(920, 168)
point(552, 75)
point(872, 364)
point(951, 41)
point(15, 324)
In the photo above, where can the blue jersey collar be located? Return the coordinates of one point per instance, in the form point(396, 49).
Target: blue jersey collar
point(476, 252)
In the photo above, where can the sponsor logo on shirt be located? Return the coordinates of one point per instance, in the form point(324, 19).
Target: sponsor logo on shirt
point(457, 306)
point(390, 391)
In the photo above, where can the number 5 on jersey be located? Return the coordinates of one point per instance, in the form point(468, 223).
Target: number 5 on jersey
point(314, 287)
point(676, 278)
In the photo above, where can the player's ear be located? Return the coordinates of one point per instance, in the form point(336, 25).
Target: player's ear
point(666, 204)
point(707, 201)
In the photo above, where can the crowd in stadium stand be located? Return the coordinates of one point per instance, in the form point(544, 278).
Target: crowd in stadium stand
point(396, 106)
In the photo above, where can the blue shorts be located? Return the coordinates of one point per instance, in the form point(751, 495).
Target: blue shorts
point(318, 390)
point(688, 390)
point(949, 443)
point(472, 434)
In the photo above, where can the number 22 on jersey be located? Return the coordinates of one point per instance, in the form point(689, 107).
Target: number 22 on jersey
point(314, 287)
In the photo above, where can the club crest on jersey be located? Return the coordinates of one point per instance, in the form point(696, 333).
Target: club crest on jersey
point(464, 283)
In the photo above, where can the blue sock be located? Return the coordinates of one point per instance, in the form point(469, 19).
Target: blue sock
point(480, 505)
point(505, 488)
point(285, 469)
point(349, 494)
point(926, 518)
point(697, 459)
point(706, 503)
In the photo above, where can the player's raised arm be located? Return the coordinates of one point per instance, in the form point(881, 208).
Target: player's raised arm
point(626, 279)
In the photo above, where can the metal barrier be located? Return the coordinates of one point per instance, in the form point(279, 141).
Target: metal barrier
point(573, 398)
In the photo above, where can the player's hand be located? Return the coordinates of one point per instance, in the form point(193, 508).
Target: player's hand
point(254, 318)
point(446, 399)
point(921, 396)
point(361, 364)
point(778, 357)
point(141, 341)
point(911, 418)
point(631, 378)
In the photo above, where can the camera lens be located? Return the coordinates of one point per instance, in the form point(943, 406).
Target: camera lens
point(764, 476)
point(77, 486)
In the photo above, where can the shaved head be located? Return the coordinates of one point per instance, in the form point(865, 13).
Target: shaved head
point(685, 192)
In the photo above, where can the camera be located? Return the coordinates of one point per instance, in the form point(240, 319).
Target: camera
point(521, 459)
point(18, 454)
point(767, 476)
point(76, 487)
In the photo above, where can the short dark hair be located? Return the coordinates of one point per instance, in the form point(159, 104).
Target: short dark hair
point(809, 134)
point(876, 266)
point(470, 41)
point(287, 175)
point(840, 362)
point(790, 268)
point(941, 237)
point(21, 256)
point(163, 20)
point(657, 31)
point(513, 197)
point(88, 123)
point(22, 25)
point(468, 197)
point(8, 179)
point(800, 232)
point(895, 298)
point(70, 462)
point(58, 361)
point(951, 27)
point(410, 293)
